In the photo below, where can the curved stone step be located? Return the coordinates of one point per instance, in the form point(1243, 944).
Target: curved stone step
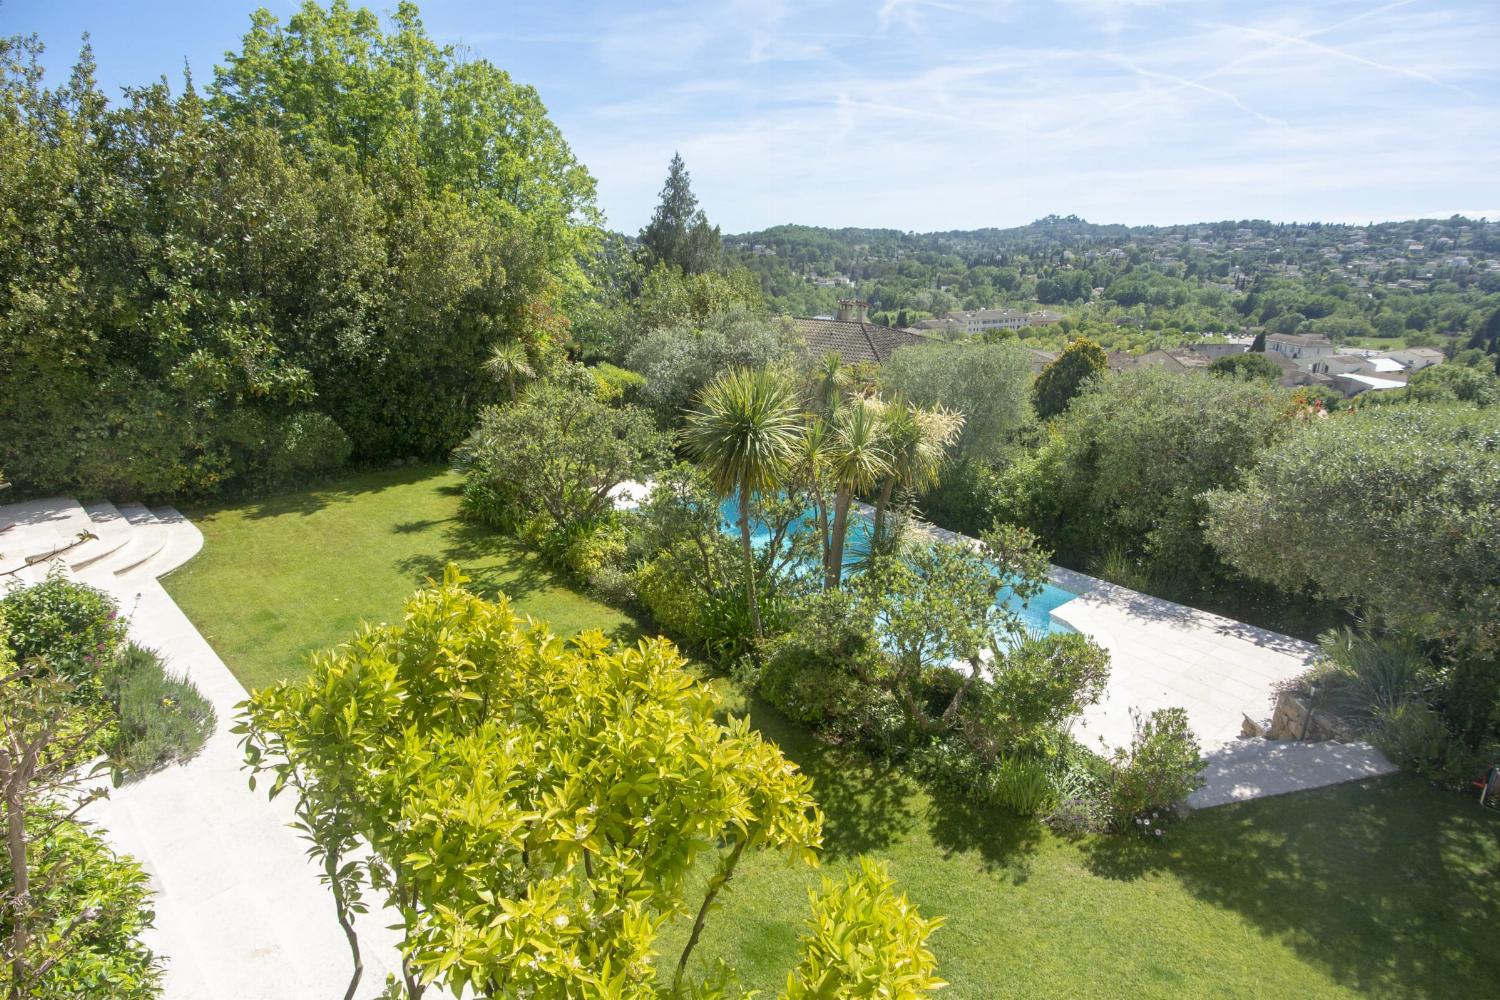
point(184, 541)
point(148, 535)
point(113, 531)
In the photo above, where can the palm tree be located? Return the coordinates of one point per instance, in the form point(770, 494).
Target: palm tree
point(831, 378)
point(507, 363)
point(918, 439)
point(813, 454)
point(745, 433)
point(858, 459)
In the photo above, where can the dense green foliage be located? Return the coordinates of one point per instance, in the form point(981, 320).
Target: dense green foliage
point(249, 287)
point(678, 360)
point(863, 940)
point(76, 628)
point(71, 911)
point(1123, 471)
point(1247, 368)
point(535, 807)
point(1425, 481)
point(75, 873)
point(545, 466)
point(988, 383)
point(1064, 378)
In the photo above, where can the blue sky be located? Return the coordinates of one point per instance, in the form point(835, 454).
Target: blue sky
point(955, 114)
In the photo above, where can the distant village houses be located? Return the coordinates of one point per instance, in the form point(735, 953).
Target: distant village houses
point(978, 321)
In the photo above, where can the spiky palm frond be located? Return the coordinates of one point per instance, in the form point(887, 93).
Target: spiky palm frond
point(745, 430)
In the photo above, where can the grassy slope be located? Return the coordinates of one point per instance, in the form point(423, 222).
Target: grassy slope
point(1380, 888)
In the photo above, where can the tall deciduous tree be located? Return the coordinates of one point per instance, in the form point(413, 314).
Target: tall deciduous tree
point(678, 234)
point(744, 433)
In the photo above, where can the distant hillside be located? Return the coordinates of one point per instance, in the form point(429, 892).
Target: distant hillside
point(1424, 281)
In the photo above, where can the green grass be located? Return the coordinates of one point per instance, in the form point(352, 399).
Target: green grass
point(288, 575)
point(1381, 888)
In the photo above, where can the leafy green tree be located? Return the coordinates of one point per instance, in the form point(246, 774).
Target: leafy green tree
point(1455, 383)
point(1487, 336)
point(670, 298)
point(678, 234)
point(988, 383)
point(556, 454)
point(1063, 378)
point(938, 603)
point(536, 808)
point(1419, 478)
point(1129, 463)
point(1247, 368)
point(679, 361)
point(744, 433)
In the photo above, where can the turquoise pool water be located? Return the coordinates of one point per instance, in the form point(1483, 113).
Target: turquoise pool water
point(1036, 613)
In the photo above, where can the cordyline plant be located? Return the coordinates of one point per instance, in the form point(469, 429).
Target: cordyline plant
point(534, 806)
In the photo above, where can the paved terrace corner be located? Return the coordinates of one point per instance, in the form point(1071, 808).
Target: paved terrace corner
point(240, 911)
point(1219, 670)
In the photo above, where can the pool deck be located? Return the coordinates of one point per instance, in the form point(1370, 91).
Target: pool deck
point(1164, 654)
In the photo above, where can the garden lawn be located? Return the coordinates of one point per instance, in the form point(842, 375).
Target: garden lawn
point(1383, 888)
point(285, 576)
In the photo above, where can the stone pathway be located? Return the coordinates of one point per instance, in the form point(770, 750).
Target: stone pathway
point(240, 911)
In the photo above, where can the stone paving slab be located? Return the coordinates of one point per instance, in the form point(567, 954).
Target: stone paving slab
point(1255, 768)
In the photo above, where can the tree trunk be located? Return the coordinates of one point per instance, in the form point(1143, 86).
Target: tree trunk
point(331, 867)
point(882, 504)
point(823, 539)
point(718, 882)
point(834, 576)
point(749, 554)
point(950, 714)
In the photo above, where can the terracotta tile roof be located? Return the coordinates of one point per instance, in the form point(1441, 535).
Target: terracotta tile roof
point(855, 342)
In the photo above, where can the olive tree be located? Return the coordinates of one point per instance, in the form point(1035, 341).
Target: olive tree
point(555, 455)
point(989, 384)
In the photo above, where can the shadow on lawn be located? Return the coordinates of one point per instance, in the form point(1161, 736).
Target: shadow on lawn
point(866, 806)
point(491, 561)
point(1002, 840)
point(1391, 886)
point(342, 488)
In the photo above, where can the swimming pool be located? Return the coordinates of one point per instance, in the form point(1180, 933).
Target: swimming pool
point(1036, 613)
